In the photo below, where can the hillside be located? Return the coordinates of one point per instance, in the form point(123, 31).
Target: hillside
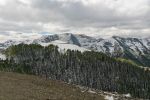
point(90, 69)
point(15, 86)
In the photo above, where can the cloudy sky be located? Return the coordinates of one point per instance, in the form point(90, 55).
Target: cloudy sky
point(100, 17)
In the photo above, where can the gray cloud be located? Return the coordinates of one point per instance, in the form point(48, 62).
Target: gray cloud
point(112, 17)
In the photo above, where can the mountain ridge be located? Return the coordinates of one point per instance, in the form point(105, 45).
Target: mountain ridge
point(136, 49)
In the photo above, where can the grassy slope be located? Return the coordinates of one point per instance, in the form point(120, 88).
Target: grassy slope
point(15, 86)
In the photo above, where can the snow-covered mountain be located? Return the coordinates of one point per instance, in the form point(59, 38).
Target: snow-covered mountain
point(109, 45)
point(136, 49)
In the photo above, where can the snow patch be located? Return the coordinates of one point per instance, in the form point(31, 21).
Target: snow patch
point(109, 97)
point(90, 91)
point(127, 95)
point(2, 56)
point(64, 46)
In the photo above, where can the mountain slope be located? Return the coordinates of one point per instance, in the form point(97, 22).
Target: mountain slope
point(64, 46)
point(135, 49)
point(15, 86)
point(90, 69)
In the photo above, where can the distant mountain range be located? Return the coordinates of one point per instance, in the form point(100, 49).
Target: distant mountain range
point(135, 49)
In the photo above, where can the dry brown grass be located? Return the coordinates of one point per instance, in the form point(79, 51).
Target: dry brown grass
point(15, 86)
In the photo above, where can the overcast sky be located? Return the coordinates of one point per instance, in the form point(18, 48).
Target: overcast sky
point(101, 17)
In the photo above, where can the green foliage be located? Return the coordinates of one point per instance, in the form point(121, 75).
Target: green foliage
point(8, 66)
point(127, 61)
